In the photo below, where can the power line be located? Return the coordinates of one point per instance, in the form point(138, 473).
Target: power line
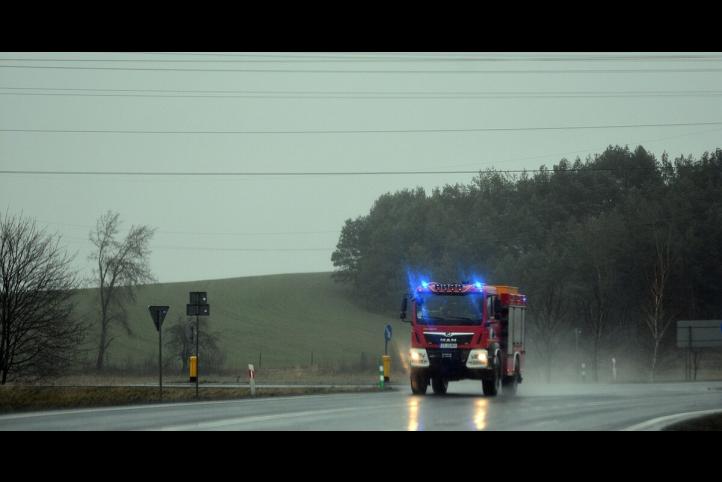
point(305, 173)
point(370, 92)
point(369, 131)
point(425, 55)
point(375, 71)
point(243, 250)
point(388, 58)
point(77, 240)
point(250, 250)
point(593, 148)
point(366, 96)
point(207, 233)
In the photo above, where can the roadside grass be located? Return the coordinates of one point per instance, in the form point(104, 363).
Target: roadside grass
point(289, 376)
point(709, 423)
point(278, 321)
point(14, 399)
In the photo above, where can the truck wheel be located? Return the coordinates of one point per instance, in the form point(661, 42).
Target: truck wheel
point(492, 385)
point(418, 383)
point(439, 385)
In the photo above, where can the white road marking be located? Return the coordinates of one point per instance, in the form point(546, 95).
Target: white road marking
point(52, 413)
point(661, 422)
point(266, 418)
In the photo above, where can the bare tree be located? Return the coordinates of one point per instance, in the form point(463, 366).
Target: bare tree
point(38, 336)
point(121, 266)
point(656, 315)
point(182, 343)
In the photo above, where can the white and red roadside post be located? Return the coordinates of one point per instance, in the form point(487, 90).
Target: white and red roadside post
point(252, 379)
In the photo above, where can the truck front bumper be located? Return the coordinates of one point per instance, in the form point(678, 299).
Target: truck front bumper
point(452, 365)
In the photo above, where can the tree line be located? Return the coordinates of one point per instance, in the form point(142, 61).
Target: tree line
point(617, 246)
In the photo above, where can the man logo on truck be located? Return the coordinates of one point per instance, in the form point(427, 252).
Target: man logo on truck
point(466, 331)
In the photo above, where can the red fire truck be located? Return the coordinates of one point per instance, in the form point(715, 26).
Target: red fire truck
point(463, 331)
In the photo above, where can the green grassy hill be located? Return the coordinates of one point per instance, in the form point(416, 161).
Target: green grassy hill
point(284, 317)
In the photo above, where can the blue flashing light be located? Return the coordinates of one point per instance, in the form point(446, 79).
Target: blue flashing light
point(417, 281)
point(478, 285)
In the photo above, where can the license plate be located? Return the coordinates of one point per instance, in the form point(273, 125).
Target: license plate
point(448, 345)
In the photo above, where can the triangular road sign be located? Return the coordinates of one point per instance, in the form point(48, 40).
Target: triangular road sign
point(158, 314)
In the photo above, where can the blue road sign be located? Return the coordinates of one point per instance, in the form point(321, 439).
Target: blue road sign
point(387, 333)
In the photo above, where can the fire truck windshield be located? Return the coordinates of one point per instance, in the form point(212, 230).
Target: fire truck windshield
point(434, 309)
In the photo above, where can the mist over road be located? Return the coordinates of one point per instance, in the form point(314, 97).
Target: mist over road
point(537, 407)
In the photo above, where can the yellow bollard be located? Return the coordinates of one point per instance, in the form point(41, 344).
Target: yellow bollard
point(387, 368)
point(193, 366)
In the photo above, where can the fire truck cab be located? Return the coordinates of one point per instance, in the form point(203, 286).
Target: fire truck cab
point(463, 331)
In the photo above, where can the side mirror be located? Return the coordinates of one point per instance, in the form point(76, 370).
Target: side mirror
point(404, 306)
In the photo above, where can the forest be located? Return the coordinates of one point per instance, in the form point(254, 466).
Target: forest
point(611, 251)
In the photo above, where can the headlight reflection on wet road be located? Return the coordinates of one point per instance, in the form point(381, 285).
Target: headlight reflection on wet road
point(413, 408)
point(480, 412)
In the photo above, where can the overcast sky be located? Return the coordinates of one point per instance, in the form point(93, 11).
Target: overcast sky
point(274, 217)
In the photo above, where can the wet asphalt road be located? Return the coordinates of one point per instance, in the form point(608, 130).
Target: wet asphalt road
point(536, 407)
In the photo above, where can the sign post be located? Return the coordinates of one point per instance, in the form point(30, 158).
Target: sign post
point(157, 313)
point(198, 307)
point(386, 358)
point(252, 379)
point(695, 335)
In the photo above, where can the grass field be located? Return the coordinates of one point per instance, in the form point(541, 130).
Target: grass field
point(284, 320)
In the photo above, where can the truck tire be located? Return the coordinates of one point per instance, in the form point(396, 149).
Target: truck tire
point(492, 385)
point(418, 383)
point(439, 385)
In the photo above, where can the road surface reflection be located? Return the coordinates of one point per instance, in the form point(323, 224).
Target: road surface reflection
point(478, 415)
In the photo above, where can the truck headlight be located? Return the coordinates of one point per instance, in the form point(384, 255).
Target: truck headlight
point(478, 359)
point(419, 357)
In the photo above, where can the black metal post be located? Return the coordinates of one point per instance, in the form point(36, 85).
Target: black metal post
point(576, 354)
point(198, 358)
point(160, 354)
point(689, 353)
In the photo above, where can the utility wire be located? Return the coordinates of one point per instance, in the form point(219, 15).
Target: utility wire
point(389, 58)
point(306, 173)
point(579, 151)
point(372, 92)
point(426, 55)
point(375, 71)
point(250, 250)
point(206, 233)
point(380, 96)
point(369, 131)
point(207, 248)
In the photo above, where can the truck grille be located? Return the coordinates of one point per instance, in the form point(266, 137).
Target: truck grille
point(437, 355)
point(458, 338)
